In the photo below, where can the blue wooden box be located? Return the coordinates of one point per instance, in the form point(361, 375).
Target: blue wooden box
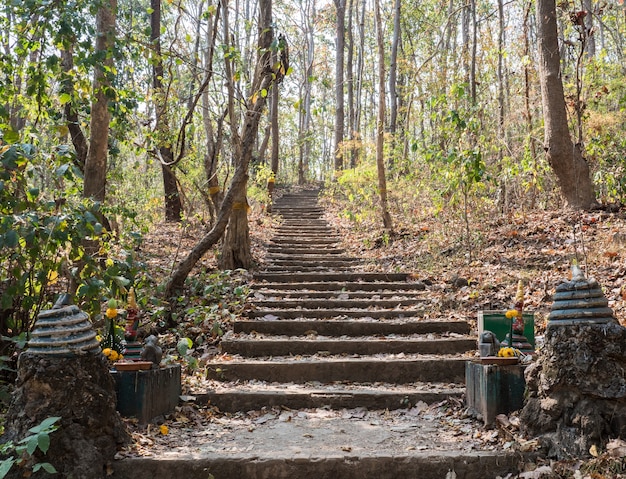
point(147, 394)
point(493, 389)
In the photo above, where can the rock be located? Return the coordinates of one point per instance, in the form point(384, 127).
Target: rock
point(81, 391)
point(151, 350)
point(577, 388)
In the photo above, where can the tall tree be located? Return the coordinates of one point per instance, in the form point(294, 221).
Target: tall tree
point(164, 152)
point(264, 76)
point(306, 120)
point(380, 122)
point(340, 6)
point(564, 156)
point(393, 69)
point(96, 161)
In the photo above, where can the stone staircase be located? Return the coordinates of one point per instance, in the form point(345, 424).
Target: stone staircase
point(346, 338)
point(319, 379)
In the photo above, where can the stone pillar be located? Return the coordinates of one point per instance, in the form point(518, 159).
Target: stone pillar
point(576, 389)
point(63, 373)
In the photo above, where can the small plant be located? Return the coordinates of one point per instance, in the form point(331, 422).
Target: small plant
point(21, 454)
point(184, 350)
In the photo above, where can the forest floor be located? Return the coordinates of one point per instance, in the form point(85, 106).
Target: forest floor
point(536, 246)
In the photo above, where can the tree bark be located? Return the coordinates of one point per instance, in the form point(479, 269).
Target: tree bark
point(96, 163)
point(71, 116)
point(173, 205)
point(380, 123)
point(303, 167)
point(393, 69)
point(564, 157)
point(340, 6)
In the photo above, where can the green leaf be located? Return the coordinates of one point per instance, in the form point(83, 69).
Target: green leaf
point(31, 444)
point(43, 441)
point(64, 98)
point(149, 11)
point(60, 171)
point(183, 346)
point(46, 466)
point(5, 466)
point(10, 136)
point(11, 238)
point(44, 425)
point(264, 93)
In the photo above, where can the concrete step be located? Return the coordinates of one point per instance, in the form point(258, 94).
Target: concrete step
point(275, 259)
point(308, 303)
point(326, 370)
point(341, 287)
point(334, 276)
point(297, 240)
point(357, 453)
point(329, 252)
point(245, 396)
point(333, 313)
point(337, 327)
point(261, 294)
point(309, 269)
point(251, 346)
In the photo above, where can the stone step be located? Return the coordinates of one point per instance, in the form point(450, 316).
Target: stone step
point(245, 396)
point(342, 287)
point(250, 346)
point(332, 276)
point(304, 251)
point(327, 370)
point(303, 221)
point(276, 456)
point(330, 313)
point(297, 240)
point(309, 265)
point(287, 235)
point(338, 327)
point(308, 269)
point(261, 294)
point(310, 259)
point(311, 303)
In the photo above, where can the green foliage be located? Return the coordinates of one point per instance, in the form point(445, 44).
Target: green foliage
point(21, 454)
point(43, 233)
point(213, 301)
point(358, 187)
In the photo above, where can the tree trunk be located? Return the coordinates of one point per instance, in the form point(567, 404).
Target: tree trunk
point(71, 116)
point(339, 109)
point(236, 247)
point(590, 46)
point(213, 139)
point(356, 126)
point(350, 83)
point(380, 124)
point(393, 70)
point(173, 205)
point(274, 123)
point(96, 163)
point(262, 80)
point(564, 157)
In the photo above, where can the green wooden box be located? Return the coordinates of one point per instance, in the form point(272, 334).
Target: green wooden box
point(500, 325)
point(147, 394)
point(493, 389)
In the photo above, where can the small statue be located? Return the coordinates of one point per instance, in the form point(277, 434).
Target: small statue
point(151, 350)
point(488, 344)
point(132, 320)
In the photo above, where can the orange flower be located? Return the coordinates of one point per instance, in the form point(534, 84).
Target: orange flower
point(111, 313)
